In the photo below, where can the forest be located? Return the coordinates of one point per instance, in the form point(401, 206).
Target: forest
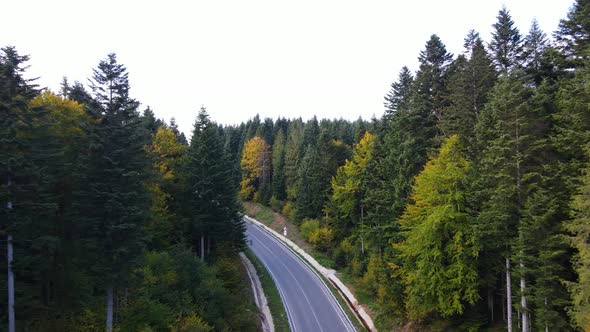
point(465, 206)
point(112, 216)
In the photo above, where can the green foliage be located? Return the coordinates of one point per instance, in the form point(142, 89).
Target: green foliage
point(289, 211)
point(88, 190)
point(211, 208)
point(321, 238)
point(310, 192)
point(506, 45)
point(439, 253)
point(256, 167)
point(308, 226)
point(275, 204)
point(580, 229)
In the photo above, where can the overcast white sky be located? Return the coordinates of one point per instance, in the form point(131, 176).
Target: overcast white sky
point(238, 58)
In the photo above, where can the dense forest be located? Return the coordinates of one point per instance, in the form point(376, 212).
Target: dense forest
point(465, 206)
point(111, 216)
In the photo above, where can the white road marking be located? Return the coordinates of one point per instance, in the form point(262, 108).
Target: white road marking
point(318, 279)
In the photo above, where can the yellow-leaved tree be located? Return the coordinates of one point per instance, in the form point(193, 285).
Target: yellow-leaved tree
point(347, 187)
point(167, 153)
point(256, 166)
point(439, 252)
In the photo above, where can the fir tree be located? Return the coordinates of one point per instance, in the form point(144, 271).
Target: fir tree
point(469, 84)
point(573, 35)
point(211, 207)
point(506, 43)
point(310, 195)
point(580, 230)
point(278, 166)
point(534, 46)
point(112, 202)
point(399, 96)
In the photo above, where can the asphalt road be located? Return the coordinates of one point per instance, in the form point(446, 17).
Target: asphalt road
point(310, 305)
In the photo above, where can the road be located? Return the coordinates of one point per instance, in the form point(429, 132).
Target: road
point(309, 303)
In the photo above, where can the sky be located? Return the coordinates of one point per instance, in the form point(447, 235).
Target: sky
point(332, 59)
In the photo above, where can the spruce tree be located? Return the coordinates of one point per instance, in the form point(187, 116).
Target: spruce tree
point(534, 47)
point(399, 96)
point(278, 166)
point(573, 35)
point(580, 230)
point(18, 174)
point(211, 206)
point(512, 137)
point(292, 160)
point(506, 45)
point(112, 202)
point(472, 78)
point(430, 87)
point(310, 195)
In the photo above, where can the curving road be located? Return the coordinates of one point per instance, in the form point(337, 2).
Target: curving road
point(309, 303)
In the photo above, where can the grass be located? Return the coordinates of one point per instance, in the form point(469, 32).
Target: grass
point(279, 316)
point(265, 215)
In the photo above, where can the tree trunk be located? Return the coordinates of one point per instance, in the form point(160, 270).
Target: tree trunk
point(508, 296)
point(546, 326)
point(523, 304)
point(110, 309)
point(202, 248)
point(209, 245)
point(9, 256)
point(491, 304)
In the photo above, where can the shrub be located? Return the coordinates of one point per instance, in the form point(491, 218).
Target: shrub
point(308, 227)
point(321, 238)
point(256, 198)
point(276, 204)
point(371, 279)
point(289, 211)
point(191, 323)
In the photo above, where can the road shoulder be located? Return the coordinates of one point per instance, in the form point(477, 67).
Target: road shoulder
point(259, 297)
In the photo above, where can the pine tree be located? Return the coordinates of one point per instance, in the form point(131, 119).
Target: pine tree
point(580, 230)
point(399, 96)
point(534, 47)
point(440, 250)
point(310, 194)
point(150, 122)
point(112, 201)
point(512, 136)
point(472, 78)
point(211, 207)
point(573, 35)
point(292, 148)
point(311, 135)
point(278, 166)
point(430, 87)
point(17, 172)
point(506, 45)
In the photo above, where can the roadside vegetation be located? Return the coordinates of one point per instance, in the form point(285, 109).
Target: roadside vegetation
point(461, 207)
